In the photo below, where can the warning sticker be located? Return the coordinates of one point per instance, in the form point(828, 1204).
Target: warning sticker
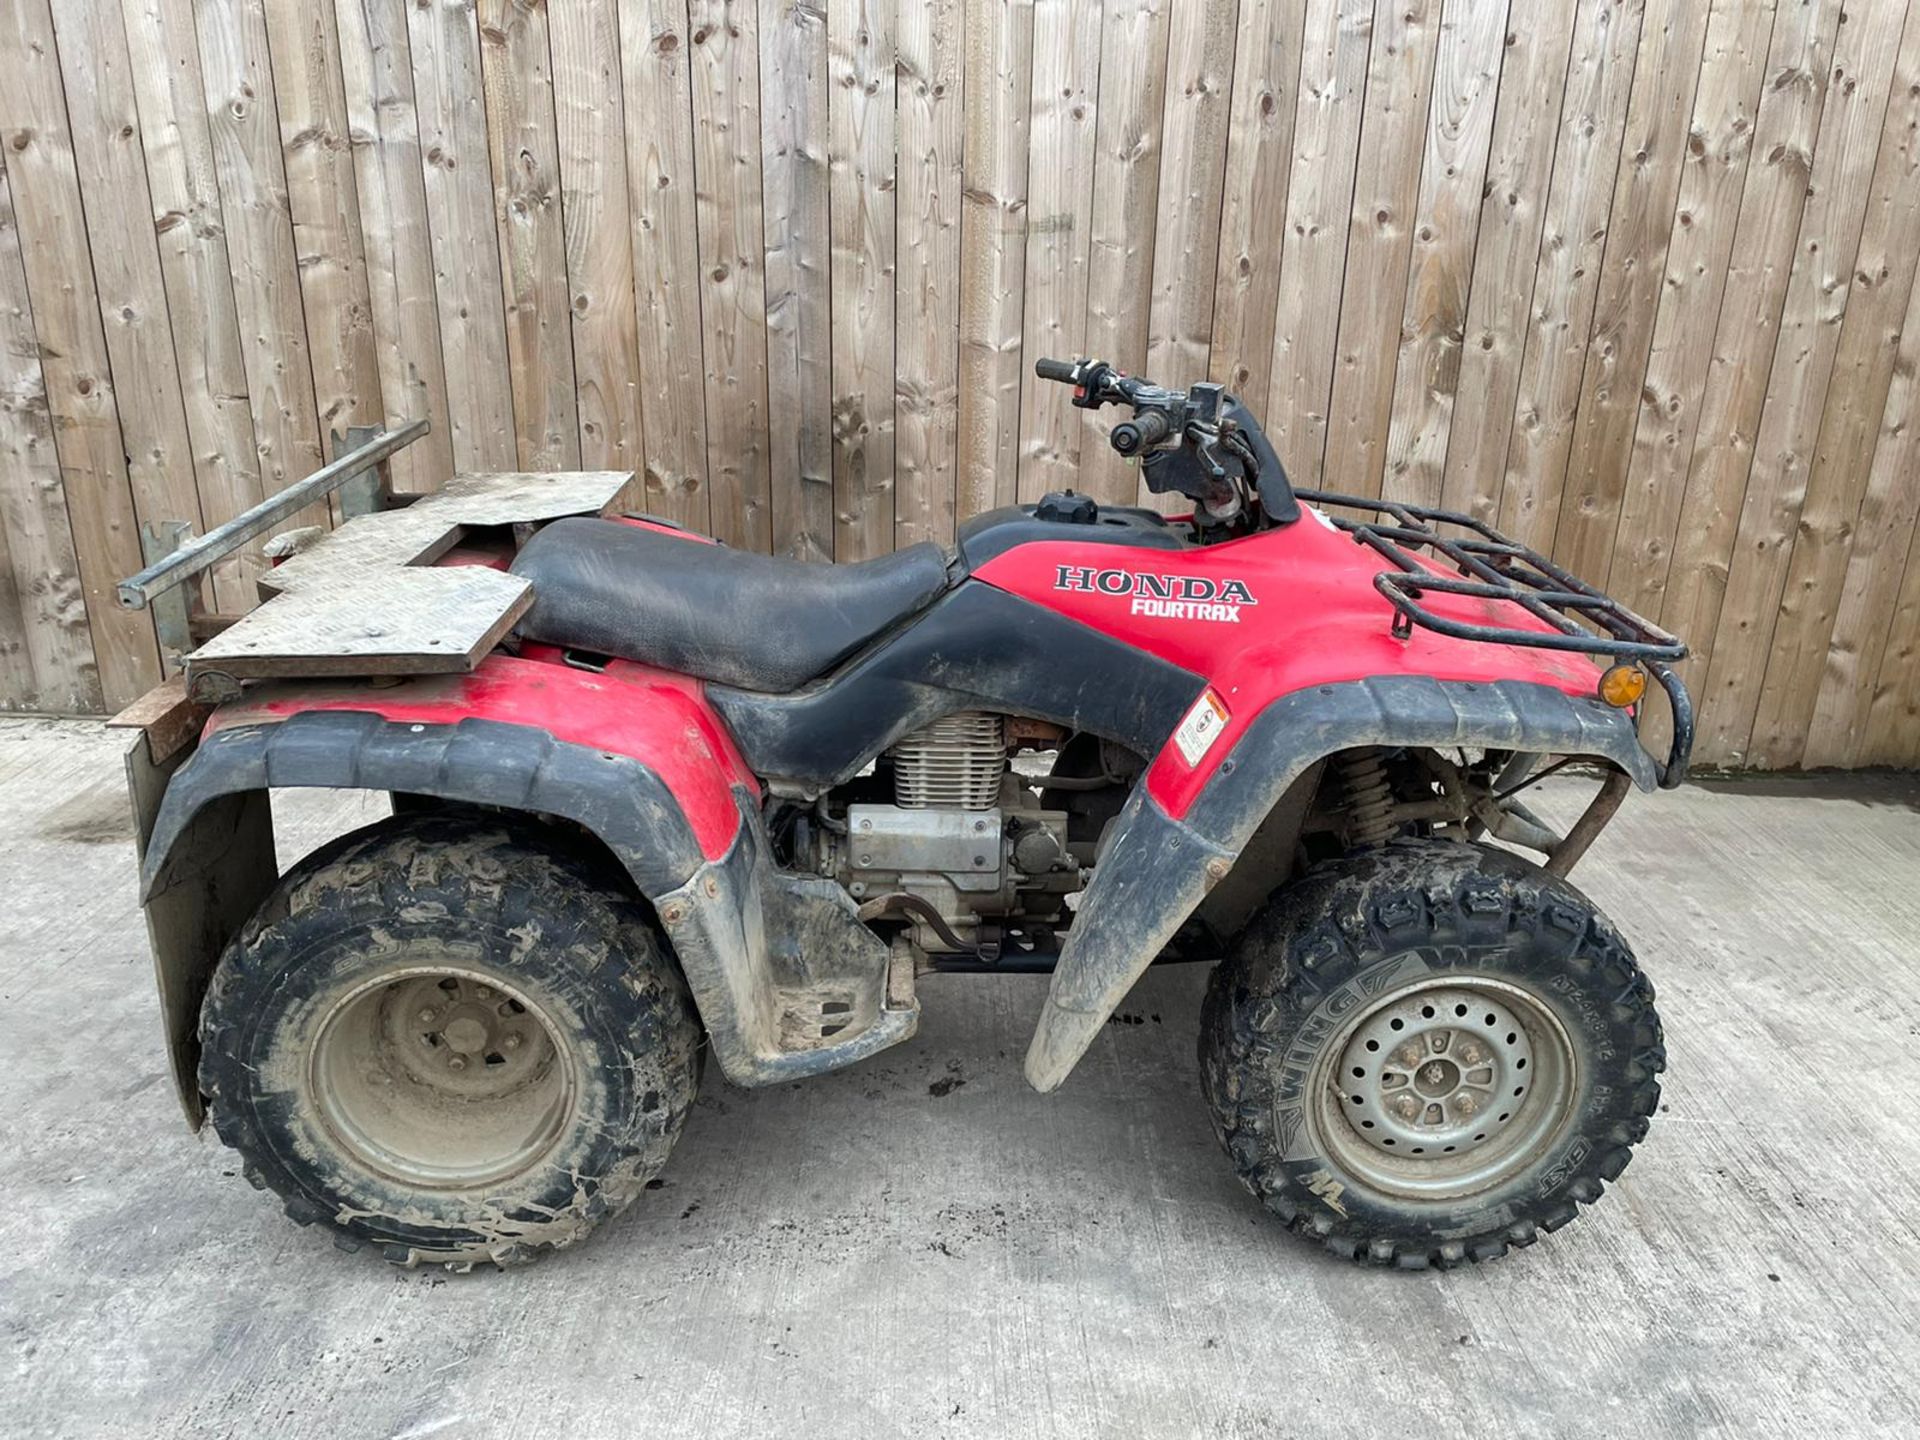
point(1204, 724)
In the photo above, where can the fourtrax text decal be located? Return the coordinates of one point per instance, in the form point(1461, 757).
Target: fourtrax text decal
point(1162, 597)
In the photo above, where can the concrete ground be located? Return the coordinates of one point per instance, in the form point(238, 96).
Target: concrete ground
point(924, 1247)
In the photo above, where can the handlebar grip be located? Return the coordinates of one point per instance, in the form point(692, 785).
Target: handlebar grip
point(1065, 371)
point(1146, 429)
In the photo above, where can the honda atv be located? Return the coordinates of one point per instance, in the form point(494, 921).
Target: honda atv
point(657, 801)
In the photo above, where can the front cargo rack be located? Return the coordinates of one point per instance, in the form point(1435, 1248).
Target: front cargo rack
point(1495, 567)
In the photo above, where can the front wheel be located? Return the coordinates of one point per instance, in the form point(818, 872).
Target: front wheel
point(451, 1038)
point(1426, 1053)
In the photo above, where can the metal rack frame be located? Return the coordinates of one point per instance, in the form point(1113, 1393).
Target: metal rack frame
point(1494, 566)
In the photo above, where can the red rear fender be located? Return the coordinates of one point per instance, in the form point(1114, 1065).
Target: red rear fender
point(657, 719)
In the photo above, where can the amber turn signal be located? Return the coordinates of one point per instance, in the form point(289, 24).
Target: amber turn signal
point(1623, 685)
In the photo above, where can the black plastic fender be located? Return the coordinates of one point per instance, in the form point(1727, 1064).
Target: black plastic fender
point(479, 762)
point(207, 862)
point(1157, 869)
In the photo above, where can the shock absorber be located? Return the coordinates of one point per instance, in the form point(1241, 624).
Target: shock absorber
point(1370, 804)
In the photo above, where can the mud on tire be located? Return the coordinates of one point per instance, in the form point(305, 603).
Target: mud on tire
point(1330, 981)
point(452, 1038)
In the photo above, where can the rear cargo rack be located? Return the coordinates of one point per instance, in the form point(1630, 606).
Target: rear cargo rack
point(1495, 567)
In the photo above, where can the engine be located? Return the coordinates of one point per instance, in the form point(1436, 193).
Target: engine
point(965, 838)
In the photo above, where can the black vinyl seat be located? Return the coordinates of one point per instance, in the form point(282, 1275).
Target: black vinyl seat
point(755, 621)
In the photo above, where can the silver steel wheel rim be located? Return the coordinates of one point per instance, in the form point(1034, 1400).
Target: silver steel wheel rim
point(1444, 1088)
point(442, 1078)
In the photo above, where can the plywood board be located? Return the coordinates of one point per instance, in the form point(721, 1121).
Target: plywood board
point(365, 599)
point(377, 622)
point(420, 533)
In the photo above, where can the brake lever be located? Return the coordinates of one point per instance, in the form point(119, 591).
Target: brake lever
point(1205, 440)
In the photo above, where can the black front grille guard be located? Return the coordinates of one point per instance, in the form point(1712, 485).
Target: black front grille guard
point(1495, 567)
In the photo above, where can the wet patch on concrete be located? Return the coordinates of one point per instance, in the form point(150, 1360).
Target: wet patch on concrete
point(98, 815)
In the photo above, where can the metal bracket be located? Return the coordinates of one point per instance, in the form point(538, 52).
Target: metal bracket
point(184, 560)
point(174, 609)
point(371, 490)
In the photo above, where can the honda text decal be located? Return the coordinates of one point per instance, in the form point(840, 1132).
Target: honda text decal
point(1163, 597)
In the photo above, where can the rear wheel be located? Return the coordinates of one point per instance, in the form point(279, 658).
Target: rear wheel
point(1429, 1052)
point(450, 1037)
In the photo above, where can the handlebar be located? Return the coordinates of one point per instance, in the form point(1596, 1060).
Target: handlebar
point(1097, 383)
point(1223, 460)
point(1148, 429)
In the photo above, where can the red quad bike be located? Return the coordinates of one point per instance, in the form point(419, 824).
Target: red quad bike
point(701, 804)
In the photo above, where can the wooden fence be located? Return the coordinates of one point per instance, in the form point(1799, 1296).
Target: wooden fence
point(1633, 277)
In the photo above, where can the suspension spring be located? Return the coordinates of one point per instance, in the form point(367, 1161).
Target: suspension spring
point(1370, 803)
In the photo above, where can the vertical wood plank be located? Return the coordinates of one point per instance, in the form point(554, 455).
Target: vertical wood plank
point(860, 102)
point(666, 256)
point(725, 73)
point(26, 444)
point(444, 45)
point(46, 652)
point(18, 690)
point(993, 234)
point(184, 194)
point(384, 131)
point(1877, 561)
point(1473, 436)
point(1844, 160)
point(1266, 82)
point(927, 275)
point(55, 259)
point(310, 103)
point(794, 181)
point(1795, 660)
point(1636, 277)
point(1721, 138)
point(590, 129)
point(240, 99)
point(1446, 225)
point(1599, 81)
point(1063, 127)
point(1126, 182)
point(1186, 234)
point(1380, 233)
point(1892, 735)
point(1762, 258)
point(1313, 257)
point(1640, 224)
point(126, 261)
point(517, 80)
